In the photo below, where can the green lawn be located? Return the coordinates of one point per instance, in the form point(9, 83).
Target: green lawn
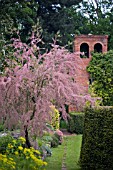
point(72, 145)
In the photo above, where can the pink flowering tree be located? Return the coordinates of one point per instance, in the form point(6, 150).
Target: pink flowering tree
point(34, 82)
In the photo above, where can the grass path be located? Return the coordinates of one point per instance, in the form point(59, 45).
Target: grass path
point(67, 153)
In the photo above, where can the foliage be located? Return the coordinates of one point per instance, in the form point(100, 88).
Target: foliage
point(59, 16)
point(54, 16)
point(6, 55)
point(54, 117)
point(14, 144)
point(4, 142)
point(33, 82)
point(1, 127)
point(55, 141)
point(100, 69)
point(97, 13)
point(6, 163)
point(66, 18)
point(50, 140)
point(7, 50)
point(17, 18)
point(59, 135)
point(17, 15)
point(47, 138)
point(71, 125)
point(76, 123)
point(19, 157)
point(44, 145)
point(63, 124)
point(97, 150)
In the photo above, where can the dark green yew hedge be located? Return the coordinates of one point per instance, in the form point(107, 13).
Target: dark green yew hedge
point(76, 122)
point(97, 144)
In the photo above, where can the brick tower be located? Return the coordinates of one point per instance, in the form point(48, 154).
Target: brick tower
point(88, 44)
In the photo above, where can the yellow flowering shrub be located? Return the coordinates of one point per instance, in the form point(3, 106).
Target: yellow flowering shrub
point(18, 157)
point(55, 122)
point(6, 163)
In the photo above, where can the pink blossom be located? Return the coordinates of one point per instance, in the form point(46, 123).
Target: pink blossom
point(29, 87)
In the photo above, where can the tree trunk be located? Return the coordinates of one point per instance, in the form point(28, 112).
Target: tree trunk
point(27, 137)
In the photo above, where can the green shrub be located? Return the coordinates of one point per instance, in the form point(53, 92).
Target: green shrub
point(46, 145)
point(76, 123)
point(1, 127)
point(20, 158)
point(55, 141)
point(6, 163)
point(59, 135)
point(97, 143)
point(4, 142)
point(63, 124)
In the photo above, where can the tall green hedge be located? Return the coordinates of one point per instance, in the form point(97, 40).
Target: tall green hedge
point(97, 143)
point(76, 122)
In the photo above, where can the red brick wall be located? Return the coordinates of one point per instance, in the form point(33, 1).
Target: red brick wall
point(91, 40)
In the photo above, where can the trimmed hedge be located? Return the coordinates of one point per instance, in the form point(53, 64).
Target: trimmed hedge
point(76, 123)
point(97, 143)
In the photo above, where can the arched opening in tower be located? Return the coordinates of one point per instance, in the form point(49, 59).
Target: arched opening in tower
point(84, 49)
point(98, 48)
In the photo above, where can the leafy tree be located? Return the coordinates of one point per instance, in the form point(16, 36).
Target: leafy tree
point(99, 14)
point(54, 16)
point(32, 84)
point(100, 69)
point(59, 15)
point(7, 51)
point(15, 17)
point(20, 15)
point(97, 8)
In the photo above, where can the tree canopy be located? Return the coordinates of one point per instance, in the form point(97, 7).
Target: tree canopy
point(99, 14)
point(62, 16)
point(17, 15)
point(53, 15)
point(59, 15)
point(101, 72)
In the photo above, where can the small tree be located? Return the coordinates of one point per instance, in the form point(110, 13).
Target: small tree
point(34, 82)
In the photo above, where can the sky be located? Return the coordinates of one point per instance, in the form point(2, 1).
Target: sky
point(104, 6)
